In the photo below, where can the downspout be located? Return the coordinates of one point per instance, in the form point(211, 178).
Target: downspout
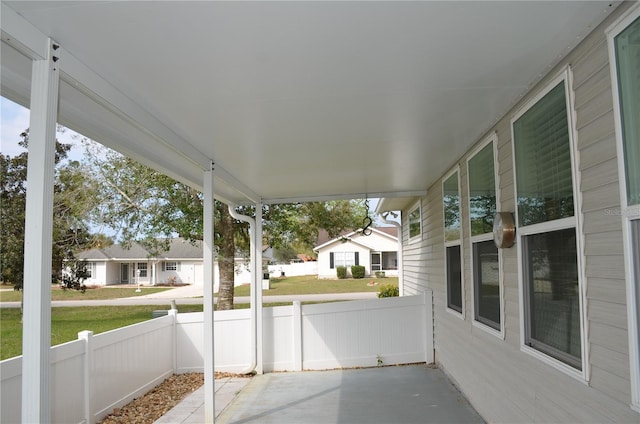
point(254, 287)
point(383, 217)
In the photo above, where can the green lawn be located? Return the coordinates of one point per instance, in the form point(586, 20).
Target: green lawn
point(91, 293)
point(66, 322)
point(311, 285)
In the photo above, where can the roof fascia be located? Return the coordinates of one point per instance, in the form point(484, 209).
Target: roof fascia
point(20, 34)
point(348, 196)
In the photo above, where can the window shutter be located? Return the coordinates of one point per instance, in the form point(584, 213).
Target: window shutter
point(163, 266)
point(177, 266)
point(331, 260)
point(357, 255)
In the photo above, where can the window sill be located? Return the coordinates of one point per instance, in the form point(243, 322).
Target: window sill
point(555, 363)
point(455, 313)
point(488, 329)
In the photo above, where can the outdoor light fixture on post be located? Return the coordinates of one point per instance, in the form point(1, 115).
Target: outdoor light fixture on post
point(138, 281)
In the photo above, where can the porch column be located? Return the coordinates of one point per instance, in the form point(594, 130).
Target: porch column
point(36, 321)
point(258, 298)
point(208, 256)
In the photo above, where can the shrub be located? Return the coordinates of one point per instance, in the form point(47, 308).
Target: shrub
point(388, 290)
point(357, 271)
point(342, 272)
point(380, 274)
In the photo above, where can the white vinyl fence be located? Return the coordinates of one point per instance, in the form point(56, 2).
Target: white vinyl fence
point(95, 374)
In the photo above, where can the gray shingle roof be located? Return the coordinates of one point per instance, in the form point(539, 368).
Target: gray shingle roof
point(179, 249)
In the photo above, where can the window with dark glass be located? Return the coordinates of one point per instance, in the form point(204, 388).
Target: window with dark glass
point(482, 208)
point(451, 202)
point(544, 196)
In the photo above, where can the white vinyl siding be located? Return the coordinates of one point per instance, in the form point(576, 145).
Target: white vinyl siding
point(502, 382)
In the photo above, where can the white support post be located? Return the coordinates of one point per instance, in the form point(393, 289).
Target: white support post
point(173, 313)
point(87, 336)
point(258, 298)
point(208, 255)
point(36, 327)
point(297, 335)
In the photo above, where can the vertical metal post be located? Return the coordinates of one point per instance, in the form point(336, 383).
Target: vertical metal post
point(258, 298)
point(208, 255)
point(36, 327)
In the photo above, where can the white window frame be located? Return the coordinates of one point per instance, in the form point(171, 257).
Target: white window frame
point(628, 214)
point(91, 267)
point(344, 258)
point(174, 266)
point(574, 222)
point(417, 207)
point(145, 269)
point(492, 139)
point(453, 243)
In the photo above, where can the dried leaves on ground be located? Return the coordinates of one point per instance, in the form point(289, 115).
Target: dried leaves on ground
point(153, 405)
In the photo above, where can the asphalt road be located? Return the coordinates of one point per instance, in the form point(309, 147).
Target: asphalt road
point(198, 300)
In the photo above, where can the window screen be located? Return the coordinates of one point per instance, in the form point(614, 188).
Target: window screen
point(486, 283)
point(454, 278)
point(543, 158)
point(553, 308)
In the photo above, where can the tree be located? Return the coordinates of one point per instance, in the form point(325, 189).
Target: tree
point(151, 208)
point(72, 203)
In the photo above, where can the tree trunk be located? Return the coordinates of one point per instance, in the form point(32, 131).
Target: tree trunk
point(225, 259)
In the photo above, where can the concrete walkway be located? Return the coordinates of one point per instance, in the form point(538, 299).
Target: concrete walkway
point(191, 409)
point(192, 296)
point(385, 395)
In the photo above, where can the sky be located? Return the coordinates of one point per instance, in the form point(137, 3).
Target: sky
point(14, 119)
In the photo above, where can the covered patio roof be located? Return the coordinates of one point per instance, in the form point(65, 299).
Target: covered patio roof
point(293, 101)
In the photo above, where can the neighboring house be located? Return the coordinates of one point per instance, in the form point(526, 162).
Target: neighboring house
point(376, 252)
point(181, 264)
point(545, 330)
point(115, 264)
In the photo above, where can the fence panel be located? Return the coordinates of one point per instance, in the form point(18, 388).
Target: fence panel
point(278, 339)
point(364, 333)
point(10, 389)
point(129, 361)
point(232, 341)
point(67, 382)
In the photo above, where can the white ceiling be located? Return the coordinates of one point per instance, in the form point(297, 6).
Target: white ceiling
point(294, 100)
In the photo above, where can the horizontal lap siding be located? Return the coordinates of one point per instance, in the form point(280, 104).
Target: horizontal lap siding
point(503, 383)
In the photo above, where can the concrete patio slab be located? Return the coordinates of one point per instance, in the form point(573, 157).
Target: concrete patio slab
point(402, 394)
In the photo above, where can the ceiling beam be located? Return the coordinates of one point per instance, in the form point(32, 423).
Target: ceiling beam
point(328, 197)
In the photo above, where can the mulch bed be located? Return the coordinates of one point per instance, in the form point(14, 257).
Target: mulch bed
point(153, 405)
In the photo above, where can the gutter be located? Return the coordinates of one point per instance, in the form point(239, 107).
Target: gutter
point(383, 217)
point(254, 289)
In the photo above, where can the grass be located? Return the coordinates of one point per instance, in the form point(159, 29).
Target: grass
point(309, 284)
point(67, 322)
point(91, 293)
